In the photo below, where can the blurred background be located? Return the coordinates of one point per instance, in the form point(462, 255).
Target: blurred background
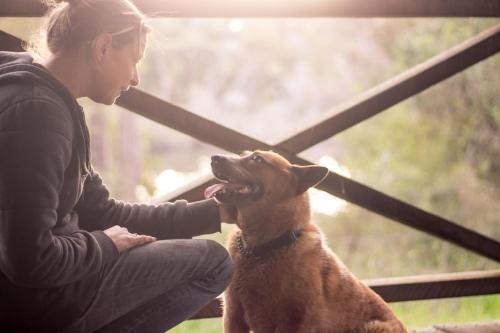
point(268, 78)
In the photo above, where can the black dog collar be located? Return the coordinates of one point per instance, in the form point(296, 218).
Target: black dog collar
point(259, 251)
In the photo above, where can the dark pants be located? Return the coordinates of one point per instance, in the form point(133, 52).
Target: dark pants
point(154, 287)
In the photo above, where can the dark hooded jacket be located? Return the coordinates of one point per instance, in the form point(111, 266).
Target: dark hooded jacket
point(53, 206)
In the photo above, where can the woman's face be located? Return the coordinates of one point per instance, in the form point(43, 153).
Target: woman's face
point(116, 70)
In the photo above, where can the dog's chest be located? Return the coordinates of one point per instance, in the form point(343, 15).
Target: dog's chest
point(271, 292)
point(258, 273)
point(266, 284)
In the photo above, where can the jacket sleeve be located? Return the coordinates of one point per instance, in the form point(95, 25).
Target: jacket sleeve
point(35, 148)
point(98, 211)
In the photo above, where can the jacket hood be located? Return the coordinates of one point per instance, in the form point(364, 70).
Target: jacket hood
point(15, 58)
point(19, 66)
point(35, 81)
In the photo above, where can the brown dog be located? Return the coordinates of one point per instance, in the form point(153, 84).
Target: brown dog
point(286, 280)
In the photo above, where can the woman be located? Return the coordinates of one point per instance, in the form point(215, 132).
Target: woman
point(73, 259)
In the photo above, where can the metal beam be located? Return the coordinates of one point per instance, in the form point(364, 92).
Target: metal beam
point(187, 122)
point(10, 43)
point(445, 285)
point(22, 8)
point(397, 89)
point(412, 288)
point(385, 205)
point(208, 131)
point(205, 130)
point(289, 8)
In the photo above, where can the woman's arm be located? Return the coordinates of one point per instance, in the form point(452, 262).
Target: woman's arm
point(98, 211)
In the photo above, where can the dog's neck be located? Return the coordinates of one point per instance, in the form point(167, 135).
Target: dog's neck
point(260, 224)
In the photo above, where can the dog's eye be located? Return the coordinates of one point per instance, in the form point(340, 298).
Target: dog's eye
point(257, 158)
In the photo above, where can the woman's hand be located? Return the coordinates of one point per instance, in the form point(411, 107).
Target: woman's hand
point(228, 214)
point(124, 240)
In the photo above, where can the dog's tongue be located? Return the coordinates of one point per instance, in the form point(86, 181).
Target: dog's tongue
point(211, 190)
point(231, 187)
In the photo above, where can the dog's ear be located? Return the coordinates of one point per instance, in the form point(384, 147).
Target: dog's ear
point(308, 176)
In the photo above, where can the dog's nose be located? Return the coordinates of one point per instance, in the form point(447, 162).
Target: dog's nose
point(217, 158)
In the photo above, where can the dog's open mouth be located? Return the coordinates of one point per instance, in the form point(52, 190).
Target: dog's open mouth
point(233, 191)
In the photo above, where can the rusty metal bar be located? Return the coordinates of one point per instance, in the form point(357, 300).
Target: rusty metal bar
point(397, 89)
point(10, 43)
point(289, 8)
point(437, 286)
point(411, 216)
point(412, 288)
point(22, 8)
point(347, 189)
point(387, 206)
point(186, 122)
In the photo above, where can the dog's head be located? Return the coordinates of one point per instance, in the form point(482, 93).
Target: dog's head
point(258, 176)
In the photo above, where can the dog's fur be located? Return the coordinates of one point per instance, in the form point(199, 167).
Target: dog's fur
point(301, 287)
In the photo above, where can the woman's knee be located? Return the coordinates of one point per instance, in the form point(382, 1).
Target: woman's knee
point(223, 264)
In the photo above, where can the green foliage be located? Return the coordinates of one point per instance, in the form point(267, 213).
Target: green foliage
point(465, 107)
point(439, 150)
point(202, 325)
point(448, 311)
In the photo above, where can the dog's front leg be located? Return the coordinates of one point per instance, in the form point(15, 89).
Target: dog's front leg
point(295, 327)
point(235, 326)
point(234, 319)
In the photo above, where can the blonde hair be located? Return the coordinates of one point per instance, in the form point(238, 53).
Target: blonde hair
point(71, 23)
